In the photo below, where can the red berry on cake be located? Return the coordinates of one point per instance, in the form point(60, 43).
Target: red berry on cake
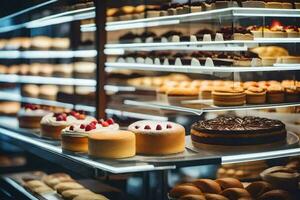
point(71, 128)
point(89, 127)
point(158, 127)
point(110, 121)
point(82, 126)
point(147, 127)
point(105, 124)
point(169, 126)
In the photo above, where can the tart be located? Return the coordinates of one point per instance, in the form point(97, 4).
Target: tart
point(30, 116)
point(275, 94)
point(292, 94)
point(227, 130)
point(177, 94)
point(75, 137)
point(228, 96)
point(255, 95)
point(153, 137)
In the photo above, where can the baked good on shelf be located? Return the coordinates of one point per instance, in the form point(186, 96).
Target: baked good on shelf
point(207, 186)
point(153, 137)
point(292, 31)
point(205, 92)
point(275, 194)
point(13, 69)
point(178, 94)
point(192, 197)
point(228, 130)
point(257, 188)
point(53, 123)
point(63, 70)
point(235, 193)
point(34, 69)
point(41, 42)
point(3, 69)
point(90, 197)
point(30, 90)
point(215, 197)
point(30, 116)
point(71, 194)
point(45, 70)
point(226, 183)
point(111, 144)
point(23, 69)
point(9, 107)
point(270, 51)
point(275, 94)
point(60, 43)
point(288, 60)
point(292, 93)
point(48, 92)
point(255, 95)
point(228, 96)
point(84, 70)
point(75, 137)
point(53, 179)
point(61, 187)
point(184, 189)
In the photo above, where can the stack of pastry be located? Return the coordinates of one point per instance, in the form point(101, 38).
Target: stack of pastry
point(227, 189)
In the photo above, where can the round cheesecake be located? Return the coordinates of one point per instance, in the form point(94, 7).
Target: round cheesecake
point(30, 116)
point(227, 130)
point(75, 137)
point(158, 138)
point(111, 144)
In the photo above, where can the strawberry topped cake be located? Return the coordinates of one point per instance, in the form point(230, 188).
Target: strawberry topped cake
point(75, 137)
point(30, 116)
point(53, 123)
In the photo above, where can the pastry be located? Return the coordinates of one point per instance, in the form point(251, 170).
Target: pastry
point(255, 95)
point(45, 70)
point(63, 70)
point(292, 31)
point(206, 92)
point(30, 91)
point(228, 96)
point(215, 197)
point(292, 93)
point(41, 42)
point(153, 137)
point(60, 43)
point(178, 94)
point(9, 107)
point(226, 130)
point(13, 69)
point(34, 69)
point(48, 92)
point(288, 59)
point(53, 123)
point(75, 137)
point(226, 183)
point(182, 190)
point(207, 186)
point(90, 197)
point(23, 69)
point(71, 194)
point(111, 144)
point(30, 116)
point(270, 51)
point(275, 94)
point(192, 197)
point(235, 193)
point(258, 188)
point(56, 178)
point(85, 70)
point(275, 194)
point(42, 190)
point(61, 187)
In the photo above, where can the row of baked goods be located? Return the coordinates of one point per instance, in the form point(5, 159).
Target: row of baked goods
point(129, 12)
point(256, 57)
point(35, 43)
point(77, 69)
point(62, 185)
point(227, 189)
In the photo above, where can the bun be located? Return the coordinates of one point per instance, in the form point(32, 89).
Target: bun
point(229, 183)
point(215, 197)
point(71, 194)
point(235, 193)
point(208, 186)
point(181, 190)
point(275, 195)
point(258, 188)
point(192, 197)
point(61, 187)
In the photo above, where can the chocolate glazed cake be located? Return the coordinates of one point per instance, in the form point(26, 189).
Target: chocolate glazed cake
point(227, 130)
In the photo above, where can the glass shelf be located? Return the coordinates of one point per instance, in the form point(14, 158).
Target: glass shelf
point(110, 66)
point(206, 106)
point(206, 15)
point(13, 54)
point(12, 78)
point(7, 96)
point(135, 115)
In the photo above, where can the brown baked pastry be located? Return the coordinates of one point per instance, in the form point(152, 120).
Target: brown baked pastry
point(275, 94)
point(192, 197)
point(177, 94)
point(255, 95)
point(235, 193)
point(275, 195)
point(54, 179)
point(228, 96)
point(207, 186)
point(71, 194)
point(229, 183)
point(90, 197)
point(61, 187)
point(215, 197)
point(181, 190)
point(258, 188)
point(292, 94)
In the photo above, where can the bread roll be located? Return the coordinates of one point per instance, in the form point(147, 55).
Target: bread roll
point(258, 188)
point(275, 195)
point(71, 194)
point(192, 197)
point(61, 187)
point(208, 186)
point(235, 193)
point(181, 190)
point(215, 197)
point(229, 183)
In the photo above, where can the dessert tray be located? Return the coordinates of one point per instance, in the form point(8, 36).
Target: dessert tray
point(292, 140)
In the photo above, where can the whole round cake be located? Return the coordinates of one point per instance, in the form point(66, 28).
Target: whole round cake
point(111, 144)
point(75, 137)
point(158, 138)
point(30, 116)
point(53, 123)
point(231, 130)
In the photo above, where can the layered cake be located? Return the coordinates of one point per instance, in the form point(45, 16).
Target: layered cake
point(53, 123)
point(75, 137)
point(153, 137)
point(111, 144)
point(227, 130)
point(228, 96)
point(30, 116)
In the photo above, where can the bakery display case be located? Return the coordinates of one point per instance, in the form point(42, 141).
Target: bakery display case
point(172, 99)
